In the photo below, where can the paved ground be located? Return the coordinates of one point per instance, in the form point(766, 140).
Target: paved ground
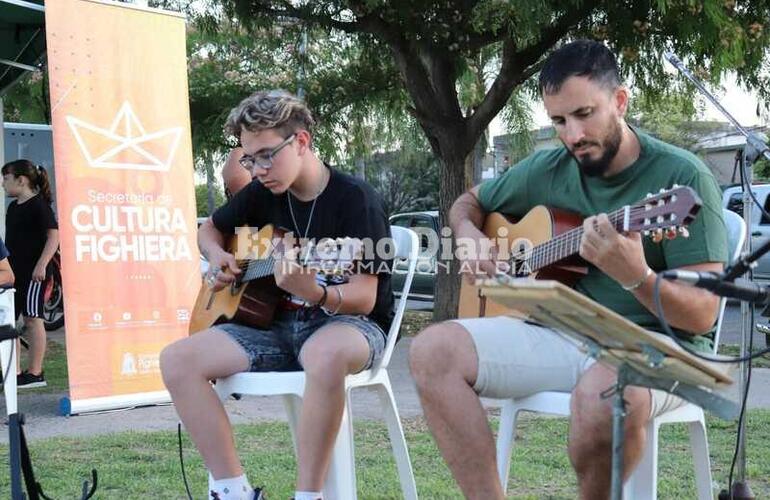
point(43, 421)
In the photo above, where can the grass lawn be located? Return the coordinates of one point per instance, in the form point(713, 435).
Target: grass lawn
point(735, 350)
point(146, 465)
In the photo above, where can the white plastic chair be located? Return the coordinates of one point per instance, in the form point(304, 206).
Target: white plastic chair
point(643, 483)
point(8, 374)
point(341, 477)
point(8, 351)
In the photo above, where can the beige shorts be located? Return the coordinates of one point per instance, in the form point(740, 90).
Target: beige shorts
point(518, 358)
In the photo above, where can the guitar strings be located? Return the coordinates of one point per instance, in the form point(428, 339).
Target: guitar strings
point(259, 268)
point(563, 245)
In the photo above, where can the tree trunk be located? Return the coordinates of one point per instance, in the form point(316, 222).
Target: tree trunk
point(479, 153)
point(453, 182)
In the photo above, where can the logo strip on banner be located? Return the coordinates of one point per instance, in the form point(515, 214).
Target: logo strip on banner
point(125, 197)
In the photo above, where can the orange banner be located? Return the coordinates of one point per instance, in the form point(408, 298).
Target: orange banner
point(125, 197)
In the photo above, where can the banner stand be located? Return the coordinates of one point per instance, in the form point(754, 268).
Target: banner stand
point(125, 196)
point(68, 408)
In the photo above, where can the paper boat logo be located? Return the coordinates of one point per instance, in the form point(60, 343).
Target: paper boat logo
point(125, 144)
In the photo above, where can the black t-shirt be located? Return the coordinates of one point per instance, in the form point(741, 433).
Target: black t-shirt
point(26, 231)
point(348, 207)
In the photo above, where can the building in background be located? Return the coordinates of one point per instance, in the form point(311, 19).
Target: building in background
point(717, 143)
point(720, 149)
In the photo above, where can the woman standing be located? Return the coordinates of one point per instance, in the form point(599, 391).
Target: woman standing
point(32, 237)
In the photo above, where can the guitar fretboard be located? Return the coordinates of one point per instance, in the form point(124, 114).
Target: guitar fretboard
point(257, 268)
point(565, 245)
point(260, 268)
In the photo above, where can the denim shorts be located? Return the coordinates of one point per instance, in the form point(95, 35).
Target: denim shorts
point(277, 349)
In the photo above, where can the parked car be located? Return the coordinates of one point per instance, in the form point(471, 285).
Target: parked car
point(426, 225)
point(759, 229)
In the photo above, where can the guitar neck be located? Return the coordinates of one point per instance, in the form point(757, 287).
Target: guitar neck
point(567, 244)
point(260, 268)
point(257, 268)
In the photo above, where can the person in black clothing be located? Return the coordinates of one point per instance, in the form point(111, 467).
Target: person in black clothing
point(234, 176)
point(327, 327)
point(32, 237)
point(6, 273)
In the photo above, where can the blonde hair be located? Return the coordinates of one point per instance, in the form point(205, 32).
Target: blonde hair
point(274, 109)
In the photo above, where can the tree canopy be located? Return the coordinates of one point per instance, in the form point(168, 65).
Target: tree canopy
point(432, 43)
point(373, 70)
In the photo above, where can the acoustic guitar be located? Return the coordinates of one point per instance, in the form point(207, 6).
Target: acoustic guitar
point(544, 244)
point(253, 298)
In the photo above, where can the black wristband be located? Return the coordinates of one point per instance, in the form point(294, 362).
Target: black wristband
point(323, 297)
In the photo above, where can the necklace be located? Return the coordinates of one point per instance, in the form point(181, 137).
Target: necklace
point(312, 209)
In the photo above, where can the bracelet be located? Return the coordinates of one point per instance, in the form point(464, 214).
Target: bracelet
point(339, 304)
point(633, 286)
point(323, 297)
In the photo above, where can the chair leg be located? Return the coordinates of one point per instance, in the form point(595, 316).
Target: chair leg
point(643, 483)
point(293, 405)
point(506, 434)
point(341, 477)
point(700, 456)
point(397, 440)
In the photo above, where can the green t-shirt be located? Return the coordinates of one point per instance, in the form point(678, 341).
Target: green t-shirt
point(552, 178)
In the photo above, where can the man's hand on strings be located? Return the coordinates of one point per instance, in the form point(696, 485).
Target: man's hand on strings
point(483, 264)
point(619, 256)
point(223, 270)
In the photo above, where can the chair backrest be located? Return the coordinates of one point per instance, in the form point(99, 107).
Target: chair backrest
point(407, 248)
point(736, 236)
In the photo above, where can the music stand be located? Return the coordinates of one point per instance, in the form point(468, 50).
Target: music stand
point(642, 358)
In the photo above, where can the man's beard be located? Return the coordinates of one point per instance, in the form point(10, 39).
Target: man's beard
point(598, 167)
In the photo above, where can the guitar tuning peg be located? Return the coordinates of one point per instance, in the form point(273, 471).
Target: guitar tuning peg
point(657, 236)
point(671, 233)
point(684, 232)
point(646, 232)
point(675, 186)
point(662, 190)
point(649, 195)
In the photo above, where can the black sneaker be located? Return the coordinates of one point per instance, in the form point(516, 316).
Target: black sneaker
point(28, 380)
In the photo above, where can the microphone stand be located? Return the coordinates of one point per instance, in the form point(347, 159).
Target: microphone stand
point(755, 147)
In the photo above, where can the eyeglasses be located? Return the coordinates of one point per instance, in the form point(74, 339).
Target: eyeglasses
point(264, 159)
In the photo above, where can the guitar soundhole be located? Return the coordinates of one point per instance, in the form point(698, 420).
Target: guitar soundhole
point(235, 287)
point(521, 250)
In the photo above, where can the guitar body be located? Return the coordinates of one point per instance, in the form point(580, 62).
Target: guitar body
point(252, 303)
point(538, 226)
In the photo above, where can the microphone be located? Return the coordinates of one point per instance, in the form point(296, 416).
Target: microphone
point(740, 289)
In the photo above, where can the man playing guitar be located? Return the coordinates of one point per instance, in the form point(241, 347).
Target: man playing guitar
point(604, 165)
point(327, 327)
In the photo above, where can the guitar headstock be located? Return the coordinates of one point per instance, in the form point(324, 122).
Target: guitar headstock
point(665, 214)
